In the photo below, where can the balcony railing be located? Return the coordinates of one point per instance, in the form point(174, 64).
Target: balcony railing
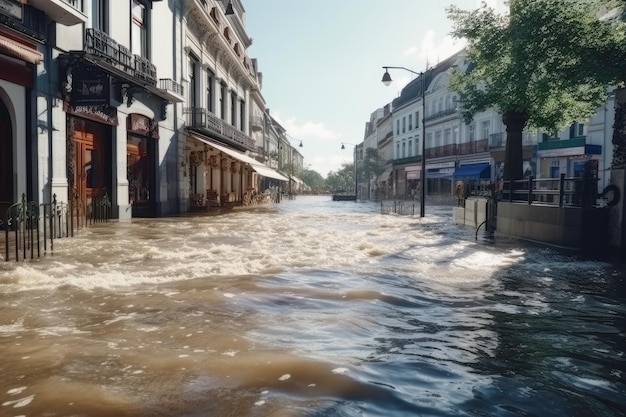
point(467, 148)
point(201, 118)
point(256, 122)
point(563, 144)
point(440, 114)
point(171, 85)
point(100, 44)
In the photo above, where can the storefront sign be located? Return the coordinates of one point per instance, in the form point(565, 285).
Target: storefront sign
point(11, 8)
point(100, 114)
point(90, 88)
point(142, 125)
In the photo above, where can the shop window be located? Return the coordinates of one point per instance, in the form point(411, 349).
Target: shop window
point(138, 169)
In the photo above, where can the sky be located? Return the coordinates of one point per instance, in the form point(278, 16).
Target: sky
point(322, 63)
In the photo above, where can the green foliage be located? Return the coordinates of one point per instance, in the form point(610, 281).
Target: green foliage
point(342, 179)
point(540, 60)
point(313, 179)
point(373, 165)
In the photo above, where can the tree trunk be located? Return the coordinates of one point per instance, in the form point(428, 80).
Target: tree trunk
point(619, 161)
point(619, 130)
point(513, 153)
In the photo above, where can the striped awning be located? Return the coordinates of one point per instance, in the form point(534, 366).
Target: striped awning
point(20, 51)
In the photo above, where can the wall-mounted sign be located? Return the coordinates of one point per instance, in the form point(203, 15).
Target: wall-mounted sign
point(100, 114)
point(142, 125)
point(90, 87)
point(11, 8)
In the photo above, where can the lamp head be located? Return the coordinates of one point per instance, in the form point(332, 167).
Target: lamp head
point(342, 146)
point(386, 78)
point(229, 8)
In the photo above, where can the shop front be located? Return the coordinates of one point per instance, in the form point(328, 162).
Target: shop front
point(221, 176)
point(142, 164)
point(18, 59)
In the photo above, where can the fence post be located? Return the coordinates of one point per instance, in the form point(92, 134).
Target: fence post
point(530, 190)
point(561, 189)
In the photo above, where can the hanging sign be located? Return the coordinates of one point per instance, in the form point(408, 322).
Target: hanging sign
point(90, 87)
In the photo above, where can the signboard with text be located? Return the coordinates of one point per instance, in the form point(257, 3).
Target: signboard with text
point(90, 88)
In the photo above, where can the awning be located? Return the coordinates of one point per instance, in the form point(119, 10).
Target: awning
point(259, 167)
point(268, 172)
point(20, 51)
point(385, 175)
point(473, 172)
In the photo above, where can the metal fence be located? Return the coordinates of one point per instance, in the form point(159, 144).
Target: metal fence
point(29, 229)
point(403, 208)
point(561, 192)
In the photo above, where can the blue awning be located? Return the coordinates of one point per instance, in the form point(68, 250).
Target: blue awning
point(473, 172)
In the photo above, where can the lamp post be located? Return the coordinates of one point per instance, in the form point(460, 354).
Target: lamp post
point(356, 178)
point(387, 81)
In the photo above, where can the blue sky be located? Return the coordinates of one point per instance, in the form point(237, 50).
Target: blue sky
point(322, 63)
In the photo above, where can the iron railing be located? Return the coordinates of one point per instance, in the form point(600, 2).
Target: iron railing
point(403, 208)
point(561, 192)
point(201, 118)
point(102, 45)
point(30, 229)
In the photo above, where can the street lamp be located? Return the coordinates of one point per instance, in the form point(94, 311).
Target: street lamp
point(356, 178)
point(387, 81)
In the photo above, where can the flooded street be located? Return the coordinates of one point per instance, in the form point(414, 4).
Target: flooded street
point(309, 308)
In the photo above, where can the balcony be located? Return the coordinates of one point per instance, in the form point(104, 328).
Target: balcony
point(467, 148)
point(440, 114)
point(101, 45)
point(65, 12)
point(203, 120)
point(578, 142)
point(174, 90)
point(256, 123)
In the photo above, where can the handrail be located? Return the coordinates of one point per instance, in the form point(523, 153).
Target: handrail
point(561, 192)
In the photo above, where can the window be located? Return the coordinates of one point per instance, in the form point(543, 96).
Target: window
point(233, 108)
point(210, 85)
point(100, 15)
point(193, 82)
point(139, 35)
point(397, 127)
point(242, 115)
point(410, 150)
point(403, 149)
point(438, 138)
point(410, 122)
point(397, 151)
point(455, 135)
point(485, 128)
point(429, 141)
point(471, 133)
point(447, 137)
point(417, 119)
point(403, 124)
point(576, 129)
point(222, 114)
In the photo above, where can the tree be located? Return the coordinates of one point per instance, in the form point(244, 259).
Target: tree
point(342, 179)
point(528, 65)
point(313, 179)
point(373, 165)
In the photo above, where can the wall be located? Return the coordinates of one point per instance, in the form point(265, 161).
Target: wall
point(569, 227)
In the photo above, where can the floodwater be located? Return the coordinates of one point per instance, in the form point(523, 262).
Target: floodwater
point(309, 308)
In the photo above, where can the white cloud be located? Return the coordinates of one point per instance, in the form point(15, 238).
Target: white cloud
point(306, 130)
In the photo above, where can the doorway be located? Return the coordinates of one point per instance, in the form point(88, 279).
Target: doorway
point(93, 171)
point(6, 156)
